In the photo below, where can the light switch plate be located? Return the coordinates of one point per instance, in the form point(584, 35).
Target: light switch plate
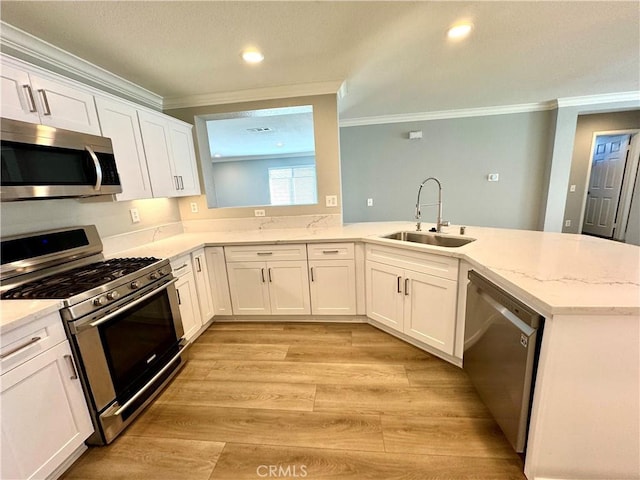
point(369, 202)
point(493, 177)
point(331, 200)
point(572, 188)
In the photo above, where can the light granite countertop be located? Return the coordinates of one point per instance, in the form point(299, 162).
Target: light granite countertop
point(555, 273)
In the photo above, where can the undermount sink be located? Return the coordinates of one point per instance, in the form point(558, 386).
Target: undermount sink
point(430, 239)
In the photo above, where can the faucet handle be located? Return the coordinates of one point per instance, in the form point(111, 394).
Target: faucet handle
point(445, 223)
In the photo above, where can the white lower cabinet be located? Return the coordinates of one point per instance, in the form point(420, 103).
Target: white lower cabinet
point(332, 270)
point(187, 296)
point(420, 305)
point(279, 286)
point(44, 415)
point(203, 286)
point(218, 281)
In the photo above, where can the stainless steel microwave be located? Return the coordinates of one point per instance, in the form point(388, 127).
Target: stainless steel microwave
point(45, 162)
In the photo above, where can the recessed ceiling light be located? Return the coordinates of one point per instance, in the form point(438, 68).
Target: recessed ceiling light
point(252, 56)
point(460, 30)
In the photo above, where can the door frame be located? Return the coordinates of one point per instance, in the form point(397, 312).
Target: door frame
point(629, 175)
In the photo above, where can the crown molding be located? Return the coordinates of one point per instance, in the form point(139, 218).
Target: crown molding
point(257, 94)
point(25, 46)
point(448, 114)
point(633, 96)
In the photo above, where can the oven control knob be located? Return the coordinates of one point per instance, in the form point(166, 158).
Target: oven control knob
point(133, 285)
point(153, 276)
point(113, 295)
point(98, 302)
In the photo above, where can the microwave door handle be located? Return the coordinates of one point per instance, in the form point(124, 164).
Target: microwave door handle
point(96, 164)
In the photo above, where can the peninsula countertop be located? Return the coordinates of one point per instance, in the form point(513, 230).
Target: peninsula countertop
point(555, 273)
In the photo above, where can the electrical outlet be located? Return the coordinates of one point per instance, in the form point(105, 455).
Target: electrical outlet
point(135, 215)
point(331, 200)
point(369, 202)
point(567, 223)
point(572, 188)
point(194, 207)
point(259, 213)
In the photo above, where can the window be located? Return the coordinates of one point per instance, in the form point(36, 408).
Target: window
point(293, 185)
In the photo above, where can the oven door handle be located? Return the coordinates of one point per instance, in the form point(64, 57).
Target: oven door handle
point(126, 307)
point(128, 403)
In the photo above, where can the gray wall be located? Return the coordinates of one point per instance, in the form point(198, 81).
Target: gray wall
point(246, 182)
point(587, 125)
point(380, 162)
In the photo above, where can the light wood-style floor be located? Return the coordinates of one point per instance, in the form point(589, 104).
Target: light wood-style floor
point(314, 401)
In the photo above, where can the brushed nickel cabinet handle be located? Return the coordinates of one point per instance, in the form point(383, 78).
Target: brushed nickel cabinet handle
point(199, 267)
point(45, 101)
point(406, 286)
point(30, 99)
point(262, 273)
point(312, 279)
point(179, 299)
point(20, 347)
point(269, 271)
point(262, 254)
point(72, 367)
point(398, 287)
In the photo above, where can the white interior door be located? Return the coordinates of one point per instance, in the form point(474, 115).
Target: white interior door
point(605, 184)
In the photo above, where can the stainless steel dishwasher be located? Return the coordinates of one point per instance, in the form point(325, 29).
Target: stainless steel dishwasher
point(501, 343)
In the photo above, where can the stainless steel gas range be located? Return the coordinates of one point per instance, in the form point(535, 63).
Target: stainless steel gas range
point(121, 316)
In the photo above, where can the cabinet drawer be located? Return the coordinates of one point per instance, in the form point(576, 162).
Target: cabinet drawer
point(262, 253)
point(431, 264)
point(26, 342)
point(181, 266)
point(330, 251)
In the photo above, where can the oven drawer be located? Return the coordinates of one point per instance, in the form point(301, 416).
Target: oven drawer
point(27, 341)
point(261, 253)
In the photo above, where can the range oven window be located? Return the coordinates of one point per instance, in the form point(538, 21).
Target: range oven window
point(135, 342)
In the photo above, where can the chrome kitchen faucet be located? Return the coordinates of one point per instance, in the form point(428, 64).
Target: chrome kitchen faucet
point(439, 222)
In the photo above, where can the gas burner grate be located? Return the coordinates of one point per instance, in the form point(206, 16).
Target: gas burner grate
point(81, 279)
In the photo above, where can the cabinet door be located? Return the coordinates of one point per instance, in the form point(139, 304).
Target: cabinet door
point(249, 288)
point(203, 287)
point(119, 121)
point(218, 280)
point(188, 301)
point(17, 100)
point(184, 159)
point(289, 287)
point(430, 310)
point(333, 287)
point(384, 293)
point(157, 145)
point(44, 414)
point(64, 105)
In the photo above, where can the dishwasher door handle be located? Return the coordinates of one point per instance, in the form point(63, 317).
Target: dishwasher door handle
point(506, 313)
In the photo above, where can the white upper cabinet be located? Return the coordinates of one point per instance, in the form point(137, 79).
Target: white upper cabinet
point(40, 98)
point(119, 121)
point(168, 145)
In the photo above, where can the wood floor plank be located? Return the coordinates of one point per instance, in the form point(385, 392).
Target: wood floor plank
point(374, 337)
point(275, 337)
point(262, 395)
point(131, 457)
point(263, 427)
point(384, 354)
point(206, 351)
point(244, 326)
point(469, 437)
point(436, 373)
point(315, 373)
point(407, 400)
point(248, 462)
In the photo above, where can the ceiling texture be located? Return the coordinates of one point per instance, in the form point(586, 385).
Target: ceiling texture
point(394, 56)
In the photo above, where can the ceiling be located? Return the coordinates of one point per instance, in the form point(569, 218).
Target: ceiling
point(394, 55)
